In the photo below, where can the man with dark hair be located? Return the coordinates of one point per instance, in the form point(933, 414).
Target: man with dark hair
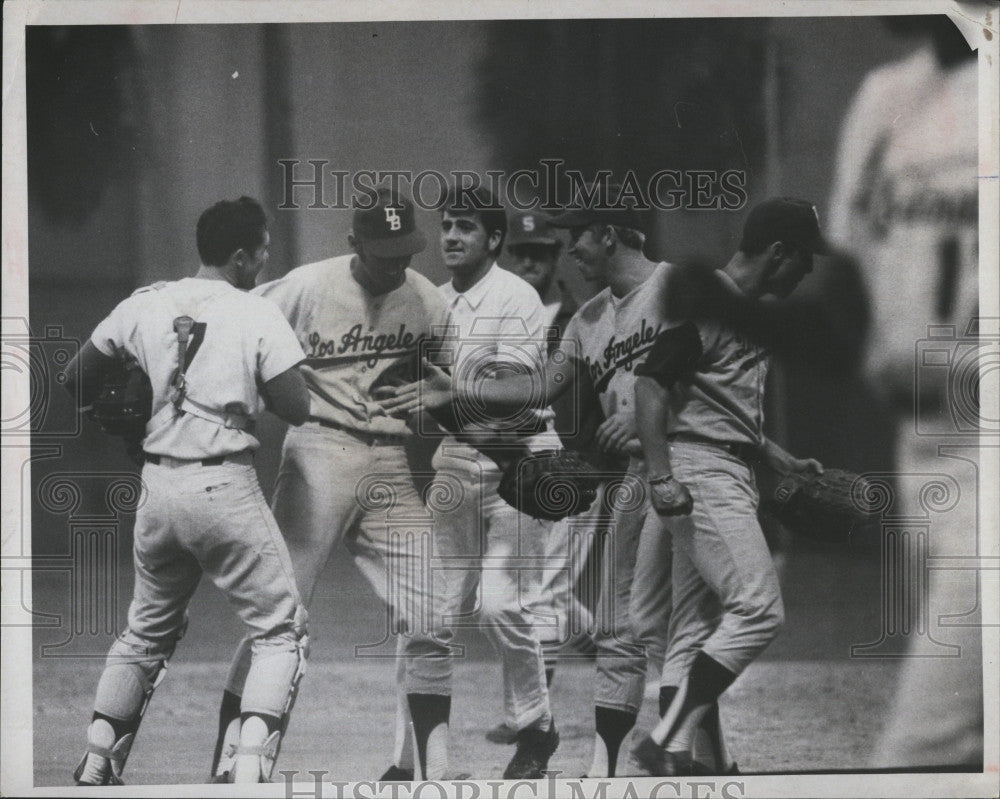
point(699, 412)
point(495, 325)
point(601, 346)
point(211, 353)
point(360, 317)
point(228, 226)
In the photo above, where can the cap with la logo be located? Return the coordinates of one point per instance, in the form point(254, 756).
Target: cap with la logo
point(389, 228)
point(529, 227)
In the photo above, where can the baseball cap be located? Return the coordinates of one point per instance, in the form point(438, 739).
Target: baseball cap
point(785, 219)
point(529, 227)
point(389, 228)
point(604, 207)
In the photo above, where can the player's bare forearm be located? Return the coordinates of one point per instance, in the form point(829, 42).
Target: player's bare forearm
point(668, 496)
point(90, 365)
point(501, 395)
point(784, 462)
point(651, 424)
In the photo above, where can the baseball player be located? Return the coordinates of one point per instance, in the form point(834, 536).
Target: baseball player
point(494, 324)
point(603, 342)
point(699, 396)
point(213, 355)
point(905, 204)
point(533, 248)
point(359, 317)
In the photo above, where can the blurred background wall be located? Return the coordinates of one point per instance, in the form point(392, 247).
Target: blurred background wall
point(133, 131)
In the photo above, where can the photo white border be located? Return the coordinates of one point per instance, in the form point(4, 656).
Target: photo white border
point(979, 22)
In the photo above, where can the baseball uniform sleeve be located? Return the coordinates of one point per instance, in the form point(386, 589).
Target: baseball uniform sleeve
point(117, 329)
point(675, 353)
point(278, 348)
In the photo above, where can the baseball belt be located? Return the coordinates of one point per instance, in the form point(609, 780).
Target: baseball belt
point(745, 451)
point(361, 435)
point(245, 456)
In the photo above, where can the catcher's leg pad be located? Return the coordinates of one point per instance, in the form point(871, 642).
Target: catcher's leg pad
point(104, 760)
point(253, 762)
point(257, 745)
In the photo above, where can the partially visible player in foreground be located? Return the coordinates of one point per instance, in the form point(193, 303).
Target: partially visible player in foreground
point(358, 316)
point(212, 354)
point(699, 413)
point(906, 205)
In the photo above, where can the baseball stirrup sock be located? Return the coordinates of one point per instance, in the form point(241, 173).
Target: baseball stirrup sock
point(704, 684)
point(709, 740)
point(430, 714)
point(612, 727)
point(667, 694)
point(229, 727)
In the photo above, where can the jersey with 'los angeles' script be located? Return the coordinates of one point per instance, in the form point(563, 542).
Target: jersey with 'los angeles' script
point(351, 337)
point(612, 335)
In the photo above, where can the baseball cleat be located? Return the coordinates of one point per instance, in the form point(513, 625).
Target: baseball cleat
point(658, 762)
point(501, 734)
point(534, 748)
point(396, 774)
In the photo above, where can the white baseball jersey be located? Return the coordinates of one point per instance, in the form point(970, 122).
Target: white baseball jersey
point(499, 321)
point(905, 201)
point(612, 335)
point(351, 337)
point(237, 344)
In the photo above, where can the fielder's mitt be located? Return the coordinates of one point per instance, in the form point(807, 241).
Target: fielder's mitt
point(827, 507)
point(124, 404)
point(551, 484)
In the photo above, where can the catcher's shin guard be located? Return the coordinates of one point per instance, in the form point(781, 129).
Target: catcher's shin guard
point(229, 738)
point(109, 743)
point(253, 762)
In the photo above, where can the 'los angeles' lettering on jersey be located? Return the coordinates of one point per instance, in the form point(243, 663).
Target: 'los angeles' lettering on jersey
point(622, 353)
point(356, 344)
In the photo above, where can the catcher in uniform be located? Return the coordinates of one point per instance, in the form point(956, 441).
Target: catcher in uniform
point(700, 395)
point(905, 204)
point(601, 345)
point(213, 354)
point(357, 317)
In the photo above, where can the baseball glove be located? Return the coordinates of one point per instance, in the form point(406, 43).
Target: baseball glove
point(827, 507)
point(124, 404)
point(551, 484)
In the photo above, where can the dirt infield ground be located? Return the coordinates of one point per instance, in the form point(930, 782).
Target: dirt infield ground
point(806, 705)
point(780, 716)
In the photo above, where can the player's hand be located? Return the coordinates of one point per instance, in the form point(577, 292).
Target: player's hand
point(805, 466)
point(785, 463)
point(431, 392)
point(615, 433)
point(670, 497)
